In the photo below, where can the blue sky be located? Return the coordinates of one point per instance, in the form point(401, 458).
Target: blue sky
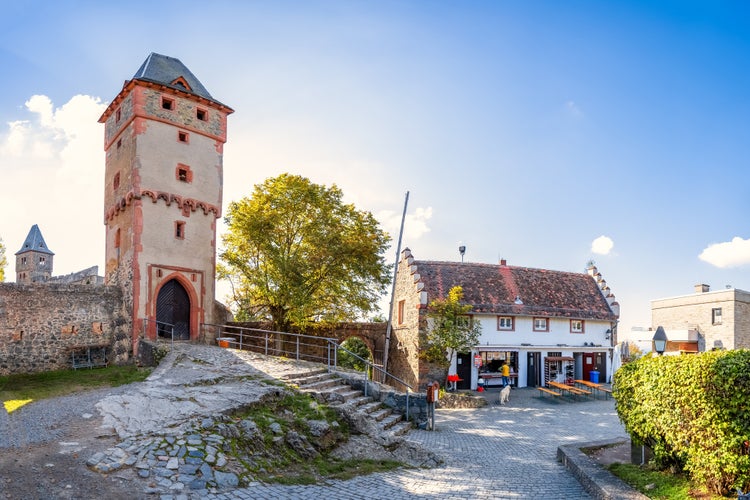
point(547, 133)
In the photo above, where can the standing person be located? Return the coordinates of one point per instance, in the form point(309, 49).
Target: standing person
point(505, 370)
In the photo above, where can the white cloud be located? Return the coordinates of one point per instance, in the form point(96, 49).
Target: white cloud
point(415, 225)
point(573, 109)
point(733, 253)
point(602, 245)
point(52, 171)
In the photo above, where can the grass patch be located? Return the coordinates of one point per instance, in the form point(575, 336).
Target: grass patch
point(327, 468)
point(659, 484)
point(36, 386)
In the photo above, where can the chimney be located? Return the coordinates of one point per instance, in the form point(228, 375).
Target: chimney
point(701, 288)
point(503, 262)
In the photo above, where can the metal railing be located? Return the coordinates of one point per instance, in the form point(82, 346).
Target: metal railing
point(299, 347)
point(163, 329)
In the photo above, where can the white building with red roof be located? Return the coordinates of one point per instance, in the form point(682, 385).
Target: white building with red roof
point(547, 325)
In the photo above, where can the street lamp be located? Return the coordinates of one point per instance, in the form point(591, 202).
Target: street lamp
point(660, 341)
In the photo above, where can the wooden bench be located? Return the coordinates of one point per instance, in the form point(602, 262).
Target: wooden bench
point(597, 387)
point(568, 390)
point(606, 391)
point(88, 356)
point(544, 390)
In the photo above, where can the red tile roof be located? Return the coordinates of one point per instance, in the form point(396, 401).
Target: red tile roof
point(493, 289)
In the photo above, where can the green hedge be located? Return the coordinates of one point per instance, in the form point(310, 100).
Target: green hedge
point(693, 411)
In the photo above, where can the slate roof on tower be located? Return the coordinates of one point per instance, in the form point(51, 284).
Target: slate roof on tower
point(170, 71)
point(494, 289)
point(34, 242)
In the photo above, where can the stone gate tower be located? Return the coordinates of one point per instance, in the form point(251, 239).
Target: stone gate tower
point(164, 139)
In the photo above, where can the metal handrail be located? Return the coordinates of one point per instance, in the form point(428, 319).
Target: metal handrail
point(368, 365)
point(159, 324)
point(241, 337)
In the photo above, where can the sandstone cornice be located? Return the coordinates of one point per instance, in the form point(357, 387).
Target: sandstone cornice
point(182, 202)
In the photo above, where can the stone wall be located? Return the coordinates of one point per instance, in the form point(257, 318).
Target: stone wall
point(40, 323)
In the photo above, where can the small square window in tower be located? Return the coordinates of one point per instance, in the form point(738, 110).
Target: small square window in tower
point(167, 103)
point(183, 173)
point(183, 137)
point(202, 114)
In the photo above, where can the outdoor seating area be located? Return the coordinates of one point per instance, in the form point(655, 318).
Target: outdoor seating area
point(580, 389)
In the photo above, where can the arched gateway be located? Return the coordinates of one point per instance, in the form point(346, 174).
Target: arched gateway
point(173, 311)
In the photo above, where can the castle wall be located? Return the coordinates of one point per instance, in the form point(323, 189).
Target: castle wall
point(40, 323)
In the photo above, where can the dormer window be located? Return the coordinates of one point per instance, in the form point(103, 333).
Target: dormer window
point(181, 83)
point(167, 103)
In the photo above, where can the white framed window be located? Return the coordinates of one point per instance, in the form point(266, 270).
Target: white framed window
point(716, 316)
point(541, 325)
point(505, 323)
point(463, 321)
point(576, 326)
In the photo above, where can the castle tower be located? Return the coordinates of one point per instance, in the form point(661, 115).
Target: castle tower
point(164, 139)
point(34, 259)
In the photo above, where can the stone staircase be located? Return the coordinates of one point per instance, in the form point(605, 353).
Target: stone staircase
point(364, 414)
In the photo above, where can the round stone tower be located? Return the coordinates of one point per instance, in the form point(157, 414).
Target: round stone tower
point(164, 139)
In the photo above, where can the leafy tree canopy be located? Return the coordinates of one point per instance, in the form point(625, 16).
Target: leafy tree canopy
point(3, 261)
point(452, 330)
point(295, 253)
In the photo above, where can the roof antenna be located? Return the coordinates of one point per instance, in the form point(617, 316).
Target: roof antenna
point(462, 251)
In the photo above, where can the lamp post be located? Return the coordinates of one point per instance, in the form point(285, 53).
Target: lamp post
point(660, 341)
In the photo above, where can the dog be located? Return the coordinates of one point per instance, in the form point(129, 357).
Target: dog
point(505, 395)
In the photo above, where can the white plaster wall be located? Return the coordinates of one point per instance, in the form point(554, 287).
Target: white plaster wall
point(559, 332)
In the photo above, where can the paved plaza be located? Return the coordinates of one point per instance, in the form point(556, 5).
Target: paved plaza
point(494, 452)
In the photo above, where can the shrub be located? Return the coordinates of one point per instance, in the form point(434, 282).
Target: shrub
point(693, 412)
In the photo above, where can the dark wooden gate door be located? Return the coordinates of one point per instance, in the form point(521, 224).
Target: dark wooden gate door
point(463, 370)
point(533, 369)
point(173, 308)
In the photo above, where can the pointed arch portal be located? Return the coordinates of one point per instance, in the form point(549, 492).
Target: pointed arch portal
point(173, 311)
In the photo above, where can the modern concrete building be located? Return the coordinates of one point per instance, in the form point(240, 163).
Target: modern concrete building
point(709, 319)
point(164, 139)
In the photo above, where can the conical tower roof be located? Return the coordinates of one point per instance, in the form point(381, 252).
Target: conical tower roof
point(35, 242)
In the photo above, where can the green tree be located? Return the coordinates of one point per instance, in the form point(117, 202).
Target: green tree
point(3, 261)
point(357, 346)
point(295, 253)
point(452, 330)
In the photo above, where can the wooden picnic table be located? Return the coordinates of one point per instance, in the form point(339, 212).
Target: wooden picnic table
point(568, 389)
point(595, 386)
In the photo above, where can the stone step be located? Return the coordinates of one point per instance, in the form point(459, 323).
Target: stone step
point(391, 420)
point(371, 407)
point(401, 428)
point(379, 415)
point(310, 378)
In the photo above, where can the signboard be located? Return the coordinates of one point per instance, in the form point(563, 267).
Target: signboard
point(477, 360)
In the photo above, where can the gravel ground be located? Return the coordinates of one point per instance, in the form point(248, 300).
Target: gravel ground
point(46, 420)
point(44, 447)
